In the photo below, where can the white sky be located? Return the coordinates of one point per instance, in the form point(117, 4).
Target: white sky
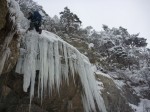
point(131, 14)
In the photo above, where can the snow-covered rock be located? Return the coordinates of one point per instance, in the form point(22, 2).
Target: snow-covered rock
point(91, 45)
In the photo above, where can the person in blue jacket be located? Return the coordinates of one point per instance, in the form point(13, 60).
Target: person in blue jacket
point(36, 19)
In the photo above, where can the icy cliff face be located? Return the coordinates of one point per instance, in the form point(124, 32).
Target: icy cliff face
point(12, 26)
point(56, 60)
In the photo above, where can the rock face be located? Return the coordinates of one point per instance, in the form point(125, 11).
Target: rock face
point(3, 13)
point(13, 99)
point(8, 39)
point(113, 97)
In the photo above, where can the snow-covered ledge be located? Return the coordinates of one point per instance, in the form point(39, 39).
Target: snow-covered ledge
point(44, 53)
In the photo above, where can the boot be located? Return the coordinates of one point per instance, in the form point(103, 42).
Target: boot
point(40, 31)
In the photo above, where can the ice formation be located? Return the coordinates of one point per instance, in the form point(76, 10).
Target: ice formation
point(44, 53)
point(14, 18)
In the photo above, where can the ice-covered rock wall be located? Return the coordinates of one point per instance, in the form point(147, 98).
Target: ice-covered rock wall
point(12, 26)
point(56, 60)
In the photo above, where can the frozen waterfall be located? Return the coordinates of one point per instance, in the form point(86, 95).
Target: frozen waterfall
point(44, 53)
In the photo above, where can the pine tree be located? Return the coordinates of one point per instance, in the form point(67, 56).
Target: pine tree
point(69, 20)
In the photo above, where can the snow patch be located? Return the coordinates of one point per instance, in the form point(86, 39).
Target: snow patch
point(91, 45)
point(103, 74)
point(100, 86)
point(119, 83)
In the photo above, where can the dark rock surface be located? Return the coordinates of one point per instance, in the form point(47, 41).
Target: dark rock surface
point(3, 13)
point(113, 97)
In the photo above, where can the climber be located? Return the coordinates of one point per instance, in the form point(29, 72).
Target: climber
point(36, 19)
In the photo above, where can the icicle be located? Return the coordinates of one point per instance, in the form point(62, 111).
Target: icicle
point(57, 65)
point(70, 61)
point(85, 105)
point(19, 65)
point(50, 66)
point(27, 76)
point(93, 88)
point(41, 68)
point(60, 47)
point(30, 62)
point(66, 63)
point(85, 83)
point(75, 66)
point(45, 64)
point(72, 57)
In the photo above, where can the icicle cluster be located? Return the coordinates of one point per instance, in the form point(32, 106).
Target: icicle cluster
point(44, 53)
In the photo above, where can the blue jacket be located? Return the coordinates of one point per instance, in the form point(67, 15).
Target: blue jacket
point(35, 17)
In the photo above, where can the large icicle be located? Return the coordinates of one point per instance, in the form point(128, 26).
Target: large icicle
point(57, 65)
point(66, 63)
point(50, 67)
point(55, 59)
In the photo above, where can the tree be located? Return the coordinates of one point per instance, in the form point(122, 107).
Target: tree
point(28, 5)
point(69, 20)
point(105, 27)
point(136, 41)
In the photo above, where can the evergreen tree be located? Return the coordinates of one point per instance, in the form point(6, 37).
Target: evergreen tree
point(69, 20)
point(136, 41)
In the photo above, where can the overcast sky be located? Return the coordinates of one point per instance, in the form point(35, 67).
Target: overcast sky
point(131, 14)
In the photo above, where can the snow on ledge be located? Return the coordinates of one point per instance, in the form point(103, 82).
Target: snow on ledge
point(144, 106)
point(54, 58)
point(103, 74)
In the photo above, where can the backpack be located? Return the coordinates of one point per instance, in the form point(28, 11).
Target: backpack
point(37, 16)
